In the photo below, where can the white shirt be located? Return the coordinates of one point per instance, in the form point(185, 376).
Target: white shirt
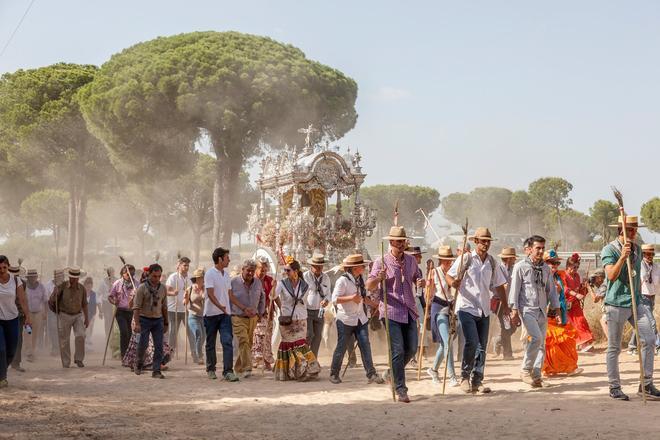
point(8, 309)
point(349, 313)
point(103, 290)
point(442, 289)
point(179, 283)
point(287, 301)
point(650, 286)
point(314, 298)
point(220, 283)
point(474, 291)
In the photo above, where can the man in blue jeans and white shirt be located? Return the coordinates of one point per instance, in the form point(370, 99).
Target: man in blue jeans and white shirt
point(478, 276)
point(217, 316)
point(350, 297)
point(532, 289)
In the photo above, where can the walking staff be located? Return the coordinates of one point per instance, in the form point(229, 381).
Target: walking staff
point(387, 324)
point(427, 308)
point(114, 309)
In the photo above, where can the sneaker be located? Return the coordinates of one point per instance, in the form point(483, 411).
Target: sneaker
point(453, 382)
point(412, 363)
point(211, 375)
point(231, 377)
point(375, 378)
point(4, 383)
point(335, 379)
point(386, 376)
point(632, 352)
point(157, 375)
point(434, 375)
point(526, 377)
point(616, 393)
point(19, 369)
point(576, 372)
point(247, 374)
point(652, 393)
point(465, 385)
point(537, 383)
point(480, 388)
point(587, 348)
point(402, 397)
point(80, 364)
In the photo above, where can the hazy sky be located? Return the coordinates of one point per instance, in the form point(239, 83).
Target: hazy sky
point(451, 94)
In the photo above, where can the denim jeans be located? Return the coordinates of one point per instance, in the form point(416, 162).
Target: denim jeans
point(403, 338)
point(314, 331)
point(124, 319)
point(616, 318)
point(475, 330)
point(155, 328)
point(214, 325)
point(176, 320)
point(8, 341)
point(445, 346)
point(536, 325)
point(648, 302)
point(196, 336)
point(361, 332)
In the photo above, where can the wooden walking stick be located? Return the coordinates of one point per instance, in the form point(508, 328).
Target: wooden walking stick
point(355, 346)
point(387, 323)
point(427, 292)
point(185, 324)
point(114, 312)
point(112, 323)
point(619, 198)
point(452, 315)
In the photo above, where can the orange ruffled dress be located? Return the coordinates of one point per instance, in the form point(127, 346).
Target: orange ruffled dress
point(576, 314)
point(561, 354)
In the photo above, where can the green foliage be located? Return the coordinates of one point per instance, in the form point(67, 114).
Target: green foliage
point(603, 213)
point(46, 209)
point(522, 209)
point(651, 214)
point(455, 207)
point(411, 198)
point(551, 193)
point(489, 206)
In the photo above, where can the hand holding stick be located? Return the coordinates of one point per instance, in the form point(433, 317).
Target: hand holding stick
point(387, 323)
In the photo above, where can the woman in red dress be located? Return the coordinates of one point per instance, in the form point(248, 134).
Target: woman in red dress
point(575, 294)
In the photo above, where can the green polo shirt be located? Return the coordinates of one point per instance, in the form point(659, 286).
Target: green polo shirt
point(618, 291)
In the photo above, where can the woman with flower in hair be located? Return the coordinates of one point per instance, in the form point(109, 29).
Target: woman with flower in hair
point(575, 294)
point(295, 360)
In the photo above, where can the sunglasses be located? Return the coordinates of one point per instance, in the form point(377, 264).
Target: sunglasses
point(287, 270)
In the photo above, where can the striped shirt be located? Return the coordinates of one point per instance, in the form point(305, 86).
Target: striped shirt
point(400, 285)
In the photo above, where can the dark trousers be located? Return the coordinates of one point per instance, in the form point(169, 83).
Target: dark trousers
point(361, 332)
point(314, 331)
point(403, 338)
point(475, 330)
point(505, 335)
point(155, 328)
point(214, 325)
point(9, 331)
point(16, 362)
point(124, 319)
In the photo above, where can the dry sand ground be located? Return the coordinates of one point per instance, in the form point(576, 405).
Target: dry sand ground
point(110, 402)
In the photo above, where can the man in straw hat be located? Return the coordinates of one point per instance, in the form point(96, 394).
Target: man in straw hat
point(502, 342)
point(400, 274)
point(316, 301)
point(350, 297)
point(37, 303)
point(650, 287)
point(176, 285)
point(71, 300)
point(532, 290)
point(51, 325)
point(478, 276)
point(618, 307)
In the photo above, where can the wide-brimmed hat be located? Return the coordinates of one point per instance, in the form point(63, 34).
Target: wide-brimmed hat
point(75, 272)
point(58, 273)
point(482, 234)
point(631, 220)
point(32, 273)
point(14, 269)
point(508, 252)
point(445, 253)
point(397, 233)
point(551, 255)
point(198, 273)
point(648, 248)
point(600, 272)
point(354, 261)
point(317, 260)
point(414, 250)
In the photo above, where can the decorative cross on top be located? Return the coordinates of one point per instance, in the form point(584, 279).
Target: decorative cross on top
point(308, 142)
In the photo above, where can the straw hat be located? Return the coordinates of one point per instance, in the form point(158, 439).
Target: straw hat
point(58, 273)
point(482, 234)
point(508, 252)
point(551, 255)
point(598, 273)
point(317, 260)
point(198, 273)
point(75, 272)
point(631, 220)
point(397, 233)
point(445, 253)
point(414, 250)
point(354, 261)
point(648, 248)
point(32, 273)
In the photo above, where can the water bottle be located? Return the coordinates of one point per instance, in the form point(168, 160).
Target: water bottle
point(28, 329)
point(507, 322)
point(321, 312)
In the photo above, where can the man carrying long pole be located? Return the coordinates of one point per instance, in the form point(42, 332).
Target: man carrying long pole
point(622, 262)
point(176, 285)
point(398, 272)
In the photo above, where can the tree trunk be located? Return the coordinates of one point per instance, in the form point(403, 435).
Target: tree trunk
point(217, 203)
point(197, 240)
point(230, 186)
point(561, 231)
point(71, 238)
point(56, 239)
point(81, 223)
point(529, 224)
